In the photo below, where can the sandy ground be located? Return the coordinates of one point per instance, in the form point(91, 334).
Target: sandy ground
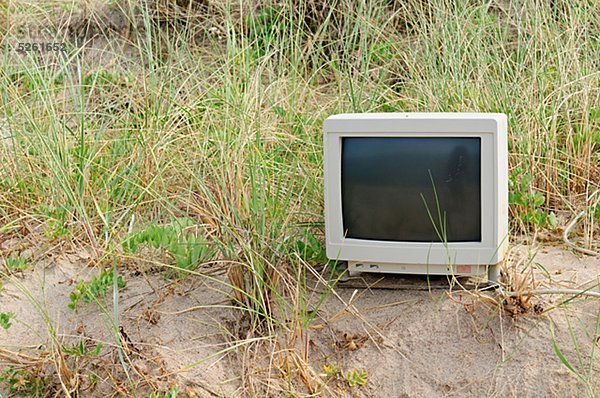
point(424, 343)
point(449, 348)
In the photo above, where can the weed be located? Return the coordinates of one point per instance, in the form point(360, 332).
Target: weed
point(311, 249)
point(172, 393)
point(356, 378)
point(527, 203)
point(180, 240)
point(56, 224)
point(5, 318)
point(95, 289)
point(22, 383)
point(331, 370)
point(352, 378)
point(265, 28)
point(81, 350)
point(16, 263)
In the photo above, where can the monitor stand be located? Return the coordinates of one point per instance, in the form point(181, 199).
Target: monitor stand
point(494, 274)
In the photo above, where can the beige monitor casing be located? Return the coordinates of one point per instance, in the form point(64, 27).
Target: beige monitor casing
point(458, 258)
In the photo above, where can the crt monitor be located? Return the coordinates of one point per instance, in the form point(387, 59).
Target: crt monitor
point(423, 193)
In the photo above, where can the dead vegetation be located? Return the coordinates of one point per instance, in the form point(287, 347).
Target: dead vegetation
point(130, 20)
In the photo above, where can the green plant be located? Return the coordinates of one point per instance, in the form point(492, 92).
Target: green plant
point(527, 202)
point(172, 393)
point(331, 370)
point(352, 378)
point(95, 289)
point(80, 349)
point(356, 378)
point(56, 224)
point(180, 239)
point(5, 318)
point(16, 263)
point(310, 249)
point(264, 28)
point(22, 383)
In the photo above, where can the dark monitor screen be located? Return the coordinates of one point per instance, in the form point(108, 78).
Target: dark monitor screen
point(390, 185)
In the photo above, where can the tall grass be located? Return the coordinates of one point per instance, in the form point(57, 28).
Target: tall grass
point(226, 129)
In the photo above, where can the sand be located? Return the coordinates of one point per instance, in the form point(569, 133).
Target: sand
point(417, 343)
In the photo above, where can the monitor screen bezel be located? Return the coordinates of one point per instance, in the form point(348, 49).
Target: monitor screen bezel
point(490, 128)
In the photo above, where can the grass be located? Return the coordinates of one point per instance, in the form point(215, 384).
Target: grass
point(223, 129)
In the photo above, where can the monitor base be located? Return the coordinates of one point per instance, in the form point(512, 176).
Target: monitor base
point(492, 272)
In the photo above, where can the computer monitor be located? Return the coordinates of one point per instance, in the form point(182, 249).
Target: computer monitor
point(418, 193)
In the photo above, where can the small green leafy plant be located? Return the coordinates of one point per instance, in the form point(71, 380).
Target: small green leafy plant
point(97, 288)
point(356, 378)
point(310, 249)
point(56, 225)
point(331, 370)
point(21, 383)
point(81, 350)
point(16, 263)
point(172, 393)
point(5, 318)
point(527, 202)
point(180, 240)
point(352, 378)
